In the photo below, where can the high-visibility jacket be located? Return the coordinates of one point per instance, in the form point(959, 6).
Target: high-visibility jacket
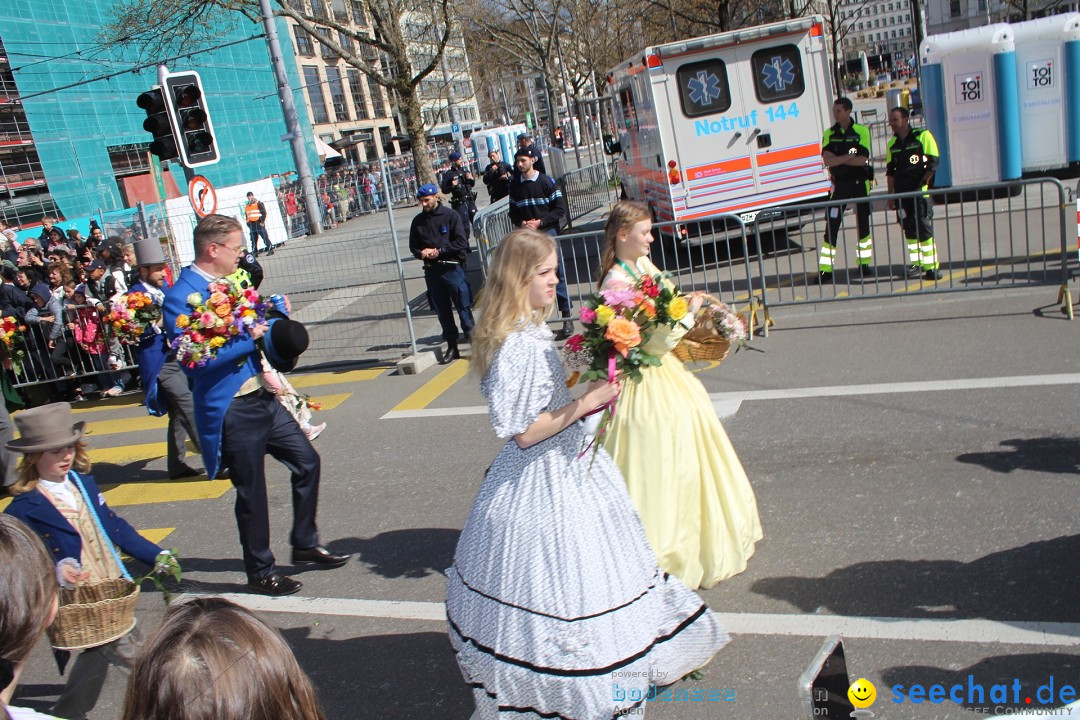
point(254, 211)
point(855, 140)
point(909, 160)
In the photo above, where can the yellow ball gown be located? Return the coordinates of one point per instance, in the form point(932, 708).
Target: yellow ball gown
point(682, 473)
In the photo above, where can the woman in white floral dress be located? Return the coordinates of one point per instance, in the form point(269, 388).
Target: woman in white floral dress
point(556, 606)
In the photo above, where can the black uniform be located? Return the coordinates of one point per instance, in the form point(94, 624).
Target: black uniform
point(910, 161)
point(445, 277)
point(461, 195)
point(497, 179)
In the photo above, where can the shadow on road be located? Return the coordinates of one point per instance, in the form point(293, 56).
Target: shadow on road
point(411, 553)
point(1049, 454)
point(411, 675)
point(1035, 582)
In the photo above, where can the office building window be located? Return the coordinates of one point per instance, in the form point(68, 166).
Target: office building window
point(304, 45)
point(359, 94)
point(313, 85)
point(337, 94)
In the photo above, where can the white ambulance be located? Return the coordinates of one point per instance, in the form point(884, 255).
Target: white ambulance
point(728, 123)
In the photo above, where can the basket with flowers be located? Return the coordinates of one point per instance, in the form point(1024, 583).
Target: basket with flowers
point(717, 329)
point(130, 315)
point(228, 311)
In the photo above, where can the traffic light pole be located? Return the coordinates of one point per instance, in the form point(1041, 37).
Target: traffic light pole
point(292, 121)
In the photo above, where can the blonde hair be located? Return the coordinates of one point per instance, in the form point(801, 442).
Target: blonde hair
point(624, 215)
point(26, 474)
point(506, 295)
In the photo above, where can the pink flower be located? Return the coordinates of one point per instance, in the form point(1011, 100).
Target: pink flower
point(620, 295)
point(587, 315)
point(207, 319)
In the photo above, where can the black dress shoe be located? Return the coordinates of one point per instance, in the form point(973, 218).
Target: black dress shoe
point(931, 275)
point(184, 472)
point(913, 271)
point(566, 331)
point(275, 585)
point(451, 355)
point(318, 555)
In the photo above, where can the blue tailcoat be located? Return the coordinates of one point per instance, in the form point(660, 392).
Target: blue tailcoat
point(219, 380)
point(151, 353)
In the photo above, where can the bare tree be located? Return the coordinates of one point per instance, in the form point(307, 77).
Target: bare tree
point(840, 19)
point(404, 46)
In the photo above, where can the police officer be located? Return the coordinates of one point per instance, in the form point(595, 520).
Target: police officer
point(845, 150)
point(457, 184)
point(911, 160)
point(497, 177)
point(438, 238)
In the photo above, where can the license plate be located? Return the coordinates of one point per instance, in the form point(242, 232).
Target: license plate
point(749, 217)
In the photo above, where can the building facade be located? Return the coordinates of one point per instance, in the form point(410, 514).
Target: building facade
point(883, 29)
point(72, 141)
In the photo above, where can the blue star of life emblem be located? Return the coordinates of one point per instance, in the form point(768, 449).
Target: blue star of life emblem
point(704, 88)
point(777, 73)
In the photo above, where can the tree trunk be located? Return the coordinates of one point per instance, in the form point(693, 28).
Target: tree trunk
point(414, 128)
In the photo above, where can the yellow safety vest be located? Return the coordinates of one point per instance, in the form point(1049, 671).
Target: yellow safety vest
point(252, 210)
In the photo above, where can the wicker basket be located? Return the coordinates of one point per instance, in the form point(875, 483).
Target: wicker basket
point(94, 614)
point(704, 343)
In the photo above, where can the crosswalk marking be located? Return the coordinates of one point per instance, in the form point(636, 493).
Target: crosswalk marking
point(156, 535)
point(149, 422)
point(163, 491)
point(433, 388)
point(332, 378)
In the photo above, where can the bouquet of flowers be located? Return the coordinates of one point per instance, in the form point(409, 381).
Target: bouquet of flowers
point(618, 322)
point(12, 343)
point(228, 311)
point(130, 315)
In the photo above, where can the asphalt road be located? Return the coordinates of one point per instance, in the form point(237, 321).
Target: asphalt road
point(915, 462)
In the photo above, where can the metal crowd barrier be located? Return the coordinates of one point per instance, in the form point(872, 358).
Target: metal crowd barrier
point(42, 364)
point(988, 236)
point(489, 226)
point(585, 190)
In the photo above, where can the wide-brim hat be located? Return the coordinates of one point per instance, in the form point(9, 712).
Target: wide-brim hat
point(148, 251)
point(284, 342)
point(48, 427)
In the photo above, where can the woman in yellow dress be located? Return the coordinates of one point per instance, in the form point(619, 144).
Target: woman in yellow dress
point(684, 477)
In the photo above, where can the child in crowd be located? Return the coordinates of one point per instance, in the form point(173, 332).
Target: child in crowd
point(66, 508)
point(27, 606)
point(88, 329)
point(214, 660)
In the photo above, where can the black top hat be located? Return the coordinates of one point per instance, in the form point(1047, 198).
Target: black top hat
point(284, 342)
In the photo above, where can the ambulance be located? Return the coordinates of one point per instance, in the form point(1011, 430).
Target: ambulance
point(728, 123)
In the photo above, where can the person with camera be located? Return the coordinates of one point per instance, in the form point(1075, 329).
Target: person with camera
point(457, 184)
point(497, 177)
point(845, 150)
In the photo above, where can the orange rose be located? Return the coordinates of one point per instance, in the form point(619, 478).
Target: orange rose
point(649, 308)
point(624, 333)
point(223, 310)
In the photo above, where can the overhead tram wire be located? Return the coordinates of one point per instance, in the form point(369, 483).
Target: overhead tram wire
point(137, 68)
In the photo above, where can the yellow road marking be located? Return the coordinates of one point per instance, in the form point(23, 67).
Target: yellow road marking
point(149, 422)
point(436, 386)
point(156, 535)
point(147, 493)
point(127, 453)
point(332, 378)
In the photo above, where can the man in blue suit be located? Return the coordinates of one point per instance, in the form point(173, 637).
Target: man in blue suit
point(238, 421)
point(165, 387)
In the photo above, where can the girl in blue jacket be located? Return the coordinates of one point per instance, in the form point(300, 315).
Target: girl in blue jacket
point(68, 511)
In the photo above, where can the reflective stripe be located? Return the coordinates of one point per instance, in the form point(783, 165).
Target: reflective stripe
point(865, 249)
point(929, 255)
point(913, 251)
point(827, 257)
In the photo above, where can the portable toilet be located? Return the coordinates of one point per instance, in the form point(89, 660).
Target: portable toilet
point(503, 139)
point(970, 101)
point(1048, 69)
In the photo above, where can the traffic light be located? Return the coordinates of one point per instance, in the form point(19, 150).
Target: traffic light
point(191, 121)
point(158, 124)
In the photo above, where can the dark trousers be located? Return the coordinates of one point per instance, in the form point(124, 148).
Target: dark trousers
point(87, 675)
point(465, 212)
point(257, 424)
point(256, 231)
point(844, 190)
point(562, 294)
point(914, 214)
point(447, 290)
point(174, 392)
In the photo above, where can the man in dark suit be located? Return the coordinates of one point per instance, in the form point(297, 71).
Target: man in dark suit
point(239, 421)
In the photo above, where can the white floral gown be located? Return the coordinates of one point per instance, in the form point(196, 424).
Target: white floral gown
point(555, 602)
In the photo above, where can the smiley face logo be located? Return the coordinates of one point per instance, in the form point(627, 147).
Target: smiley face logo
point(862, 693)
